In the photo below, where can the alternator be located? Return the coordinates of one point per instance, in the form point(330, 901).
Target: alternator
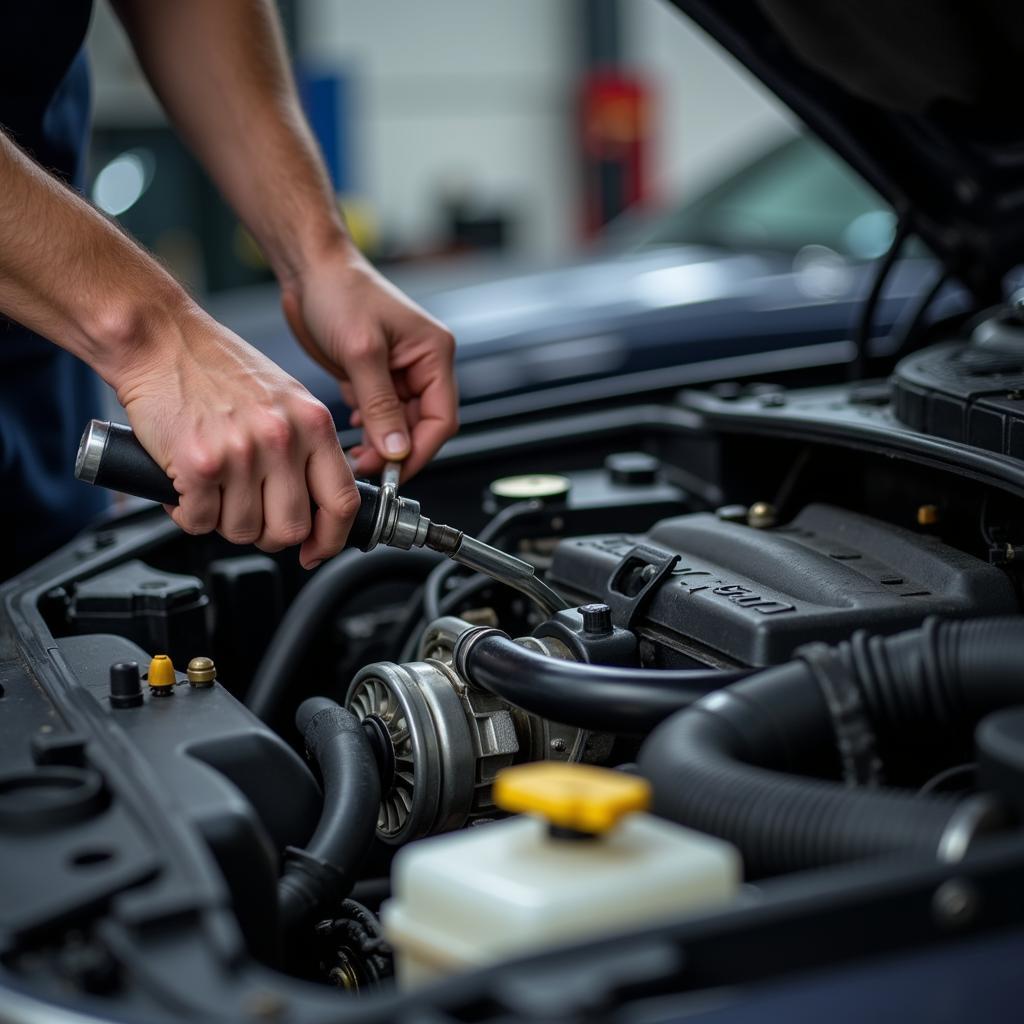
point(446, 740)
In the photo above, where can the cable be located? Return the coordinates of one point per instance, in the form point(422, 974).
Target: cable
point(338, 579)
point(863, 333)
point(919, 311)
point(473, 586)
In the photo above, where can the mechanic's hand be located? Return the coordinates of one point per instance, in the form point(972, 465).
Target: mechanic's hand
point(393, 360)
point(245, 445)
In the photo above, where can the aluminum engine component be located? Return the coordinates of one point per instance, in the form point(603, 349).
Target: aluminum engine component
point(449, 739)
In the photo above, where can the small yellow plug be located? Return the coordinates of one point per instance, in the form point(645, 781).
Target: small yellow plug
point(161, 676)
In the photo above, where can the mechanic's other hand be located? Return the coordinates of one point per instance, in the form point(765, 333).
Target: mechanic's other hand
point(246, 446)
point(394, 361)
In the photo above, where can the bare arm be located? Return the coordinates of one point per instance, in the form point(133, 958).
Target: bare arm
point(245, 444)
point(72, 276)
point(222, 74)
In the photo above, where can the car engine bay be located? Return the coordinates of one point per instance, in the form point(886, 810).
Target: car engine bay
point(791, 612)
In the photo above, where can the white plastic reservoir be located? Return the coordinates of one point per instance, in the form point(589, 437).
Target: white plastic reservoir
point(583, 862)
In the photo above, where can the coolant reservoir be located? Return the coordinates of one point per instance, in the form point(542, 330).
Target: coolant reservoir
point(584, 859)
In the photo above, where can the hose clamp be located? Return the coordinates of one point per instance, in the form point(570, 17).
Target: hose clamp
point(465, 643)
point(975, 816)
point(855, 738)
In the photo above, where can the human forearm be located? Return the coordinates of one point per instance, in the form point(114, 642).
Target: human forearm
point(72, 276)
point(235, 103)
point(245, 444)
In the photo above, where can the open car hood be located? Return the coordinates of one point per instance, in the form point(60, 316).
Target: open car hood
point(919, 96)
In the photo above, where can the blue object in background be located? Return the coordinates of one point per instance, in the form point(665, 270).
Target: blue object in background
point(327, 99)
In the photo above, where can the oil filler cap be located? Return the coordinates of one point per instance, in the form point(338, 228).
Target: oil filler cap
point(545, 488)
point(574, 798)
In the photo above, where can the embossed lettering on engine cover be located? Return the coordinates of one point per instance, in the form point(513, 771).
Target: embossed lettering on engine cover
point(697, 580)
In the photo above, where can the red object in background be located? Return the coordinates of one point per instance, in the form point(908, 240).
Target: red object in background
point(615, 117)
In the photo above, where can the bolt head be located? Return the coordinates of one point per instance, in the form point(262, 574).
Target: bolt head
point(597, 619)
point(955, 903)
point(201, 672)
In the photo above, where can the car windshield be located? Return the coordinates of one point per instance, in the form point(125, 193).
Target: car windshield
point(799, 193)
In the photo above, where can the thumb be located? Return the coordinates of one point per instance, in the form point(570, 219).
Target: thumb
point(378, 403)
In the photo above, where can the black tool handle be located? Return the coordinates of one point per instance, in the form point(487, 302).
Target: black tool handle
point(110, 455)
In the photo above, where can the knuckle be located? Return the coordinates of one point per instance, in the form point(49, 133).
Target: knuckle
point(317, 418)
point(275, 433)
point(288, 534)
point(241, 534)
point(365, 347)
point(205, 464)
point(241, 452)
point(344, 505)
point(196, 525)
point(380, 404)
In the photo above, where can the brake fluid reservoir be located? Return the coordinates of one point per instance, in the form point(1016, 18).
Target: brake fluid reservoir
point(583, 860)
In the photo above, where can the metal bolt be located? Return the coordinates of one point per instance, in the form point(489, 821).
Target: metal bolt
point(955, 903)
point(201, 672)
point(648, 573)
point(597, 618)
point(762, 515)
point(558, 745)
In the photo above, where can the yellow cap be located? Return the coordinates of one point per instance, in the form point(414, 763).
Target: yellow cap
point(161, 673)
point(579, 797)
point(927, 515)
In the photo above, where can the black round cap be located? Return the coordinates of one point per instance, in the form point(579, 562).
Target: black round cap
point(597, 619)
point(125, 686)
point(633, 469)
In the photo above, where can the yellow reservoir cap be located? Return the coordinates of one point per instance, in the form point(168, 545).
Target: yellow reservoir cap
point(578, 797)
point(161, 673)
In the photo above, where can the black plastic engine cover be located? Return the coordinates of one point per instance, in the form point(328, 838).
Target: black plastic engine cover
point(753, 596)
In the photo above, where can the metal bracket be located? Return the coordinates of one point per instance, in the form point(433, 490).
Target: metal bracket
point(635, 580)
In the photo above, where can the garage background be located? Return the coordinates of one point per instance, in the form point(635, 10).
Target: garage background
point(510, 129)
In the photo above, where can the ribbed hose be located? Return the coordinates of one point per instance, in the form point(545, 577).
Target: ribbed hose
point(594, 697)
point(713, 766)
point(340, 578)
point(943, 675)
point(326, 869)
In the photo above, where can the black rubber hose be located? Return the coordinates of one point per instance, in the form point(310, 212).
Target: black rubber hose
point(326, 869)
point(946, 675)
point(598, 697)
point(719, 766)
point(340, 578)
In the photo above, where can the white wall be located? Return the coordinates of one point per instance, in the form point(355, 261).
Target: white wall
point(484, 91)
point(474, 91)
